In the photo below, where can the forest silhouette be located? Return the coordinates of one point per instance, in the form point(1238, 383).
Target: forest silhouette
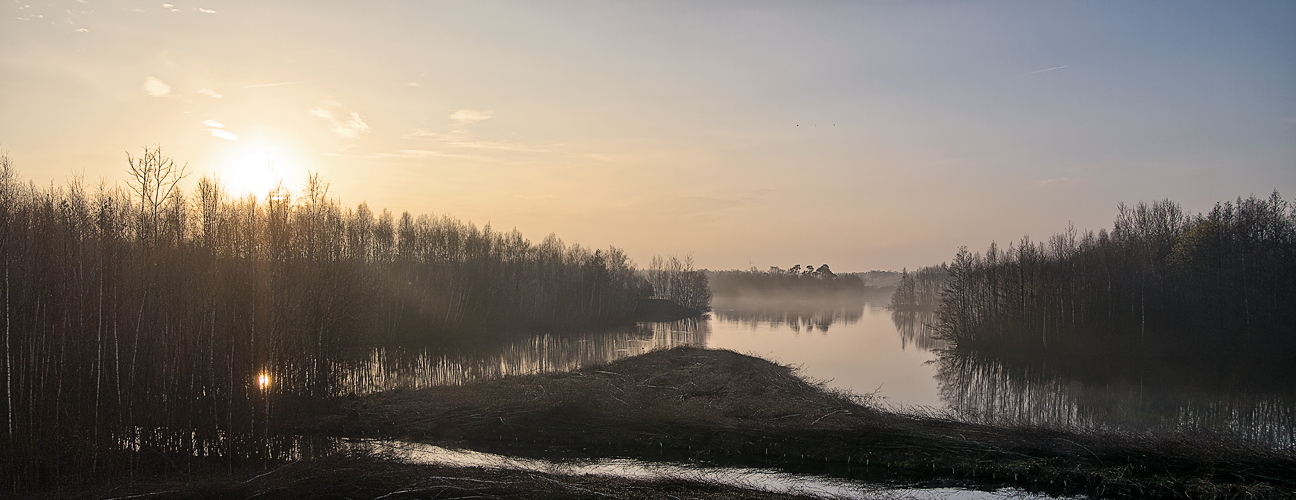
point(1160, 279)
point(145, 320)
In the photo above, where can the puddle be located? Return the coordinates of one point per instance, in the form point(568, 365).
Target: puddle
point(770, 480)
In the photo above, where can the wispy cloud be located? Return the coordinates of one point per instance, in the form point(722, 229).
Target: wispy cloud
point(210, 93)
point(170, 7)
point(1060, 181)
point(217, 132)
point(460, 134)
point(272, 84)
point(420, 153)
point(347, 127)
point(155, 87)
point(82, 30)
point(1045, 70)
point(223, 134)
point(205, 11)
point(470, 116)
point(460, 138)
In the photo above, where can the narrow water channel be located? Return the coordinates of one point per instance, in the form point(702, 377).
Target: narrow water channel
point(760, 479)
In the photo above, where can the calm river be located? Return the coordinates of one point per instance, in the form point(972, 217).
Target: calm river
point(865, 348)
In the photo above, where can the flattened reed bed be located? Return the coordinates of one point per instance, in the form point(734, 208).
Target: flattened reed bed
point(721, 407)
point(358, 474)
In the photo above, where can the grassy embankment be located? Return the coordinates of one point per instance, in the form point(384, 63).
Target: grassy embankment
point(721, 407)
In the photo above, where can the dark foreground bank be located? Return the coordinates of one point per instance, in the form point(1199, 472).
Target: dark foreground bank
point(715, 407)
point(358, 475)
point(722, 407)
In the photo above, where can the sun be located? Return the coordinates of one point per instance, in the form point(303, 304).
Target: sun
point(259, 169)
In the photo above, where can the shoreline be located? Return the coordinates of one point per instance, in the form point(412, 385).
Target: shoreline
point(723, 408)
point(709, 408)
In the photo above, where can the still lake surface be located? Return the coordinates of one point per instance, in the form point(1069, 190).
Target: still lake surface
point(862, 347)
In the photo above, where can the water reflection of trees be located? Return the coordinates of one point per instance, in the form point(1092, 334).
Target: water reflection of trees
point(917, 328)
point(797, 315)
point(985, 389)
point(425, 366)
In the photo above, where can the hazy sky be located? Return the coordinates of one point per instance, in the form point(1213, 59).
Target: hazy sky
point(866, 134)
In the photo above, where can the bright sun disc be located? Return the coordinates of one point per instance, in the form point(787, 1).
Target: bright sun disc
point(257, 171)
point(263, 381)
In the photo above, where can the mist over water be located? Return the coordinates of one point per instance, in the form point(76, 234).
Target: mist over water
point(858, 345)
point(850, 343)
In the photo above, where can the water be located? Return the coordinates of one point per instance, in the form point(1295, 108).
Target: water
point(862, 347)
point(387, 368)
point(752, 478)
point(865, 348)
point(855, 347)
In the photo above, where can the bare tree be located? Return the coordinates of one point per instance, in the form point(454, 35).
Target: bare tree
point(154, 179)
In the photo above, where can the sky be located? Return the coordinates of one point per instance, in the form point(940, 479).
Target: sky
point(864, 134)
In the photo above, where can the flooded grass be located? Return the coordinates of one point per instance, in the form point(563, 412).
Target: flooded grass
point(357, 474)
point(720, 407)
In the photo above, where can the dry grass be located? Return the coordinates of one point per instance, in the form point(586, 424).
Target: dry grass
point(722, 407)
point(355, 475)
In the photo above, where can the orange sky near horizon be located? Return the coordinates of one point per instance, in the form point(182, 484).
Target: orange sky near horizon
point(865, 135)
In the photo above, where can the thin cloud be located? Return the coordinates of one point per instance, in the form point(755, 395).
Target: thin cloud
point(82, 30)
point(1045, 70)
point(210, 93)
point(214, 124)
point(496, 145)
point(460, 138)
point(155, 87)
point(222, 134)
point(464, 116)
point(272, 84)
point(205, 11)
point(420, 153)
point(347, 127)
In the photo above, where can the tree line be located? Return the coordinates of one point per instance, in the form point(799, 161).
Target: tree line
point(806, 282)
point(676, 280)
point(920, 290)
point(146, 319)
point(1226, 277)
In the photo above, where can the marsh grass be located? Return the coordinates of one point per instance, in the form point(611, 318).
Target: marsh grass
point(359, 474)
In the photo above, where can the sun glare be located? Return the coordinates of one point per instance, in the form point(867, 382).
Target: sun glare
point(258, 170)
point(263, 381)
